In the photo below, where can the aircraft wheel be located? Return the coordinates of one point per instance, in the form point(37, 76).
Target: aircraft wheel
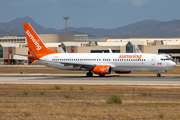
point(101, 75)
point(158, 75)
point(89, 74)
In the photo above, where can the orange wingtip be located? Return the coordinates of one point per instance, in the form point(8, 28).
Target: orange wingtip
point(33, 62)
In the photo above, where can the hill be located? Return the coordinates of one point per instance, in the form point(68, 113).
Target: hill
point(17, 26)
point(145, 28)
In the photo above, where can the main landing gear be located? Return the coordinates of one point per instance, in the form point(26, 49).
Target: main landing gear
point(89, 74)
point(158, 75)
point(101, 75)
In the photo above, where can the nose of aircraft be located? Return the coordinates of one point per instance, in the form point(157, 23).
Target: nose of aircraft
point(172, 64)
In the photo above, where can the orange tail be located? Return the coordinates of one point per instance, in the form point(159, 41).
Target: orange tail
point(34, 42)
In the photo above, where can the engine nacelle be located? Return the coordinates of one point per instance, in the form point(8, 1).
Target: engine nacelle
point(102, 69)
point(122, 72)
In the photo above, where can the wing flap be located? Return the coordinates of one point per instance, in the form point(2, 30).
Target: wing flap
point(80, 65)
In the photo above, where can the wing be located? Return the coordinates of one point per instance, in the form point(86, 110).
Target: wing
point(83, 66)
point(22, 55)
point(79, 65)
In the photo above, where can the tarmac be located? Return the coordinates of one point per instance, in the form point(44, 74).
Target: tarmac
point(95, 80)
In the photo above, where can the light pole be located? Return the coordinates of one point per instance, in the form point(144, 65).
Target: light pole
point(66, 18)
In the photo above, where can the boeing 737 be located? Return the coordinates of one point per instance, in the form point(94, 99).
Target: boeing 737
point(97, 63)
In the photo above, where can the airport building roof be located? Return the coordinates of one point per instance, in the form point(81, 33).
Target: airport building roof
point(130, 39)
point(95, 44)
point(74, 43)
point(171, 42)
point(139, 42)
point(12, 44)
point(143, 39)
point(112, 43)
point(52, 44)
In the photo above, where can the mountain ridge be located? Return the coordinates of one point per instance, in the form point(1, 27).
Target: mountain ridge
point(144, 28)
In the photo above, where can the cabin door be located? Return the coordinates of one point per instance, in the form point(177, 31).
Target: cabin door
point(153, 60)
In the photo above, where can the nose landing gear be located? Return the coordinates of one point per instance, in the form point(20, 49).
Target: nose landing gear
point(158, 75)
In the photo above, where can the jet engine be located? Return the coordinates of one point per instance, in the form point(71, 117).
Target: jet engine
point(102, 69)
point(122, 72)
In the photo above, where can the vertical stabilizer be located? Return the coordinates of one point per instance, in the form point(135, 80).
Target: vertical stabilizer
point(35, 44)
point(137, 49)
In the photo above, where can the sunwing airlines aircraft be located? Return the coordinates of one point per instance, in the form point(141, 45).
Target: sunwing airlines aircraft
point(97, 63)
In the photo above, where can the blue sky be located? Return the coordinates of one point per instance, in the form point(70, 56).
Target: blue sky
point(89, 13)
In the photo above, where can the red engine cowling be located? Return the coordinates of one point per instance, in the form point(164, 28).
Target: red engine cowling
point(122, 72)
point(102, 69)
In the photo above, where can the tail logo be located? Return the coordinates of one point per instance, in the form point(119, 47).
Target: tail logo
point(38, 47)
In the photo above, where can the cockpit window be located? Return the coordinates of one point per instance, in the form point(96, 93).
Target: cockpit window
point(164, 59)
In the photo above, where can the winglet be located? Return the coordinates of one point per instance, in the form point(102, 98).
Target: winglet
point(110, 51)
point(35, 57)
point(33, 62)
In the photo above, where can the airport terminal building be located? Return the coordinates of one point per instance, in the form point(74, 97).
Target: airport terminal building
point(11, 46)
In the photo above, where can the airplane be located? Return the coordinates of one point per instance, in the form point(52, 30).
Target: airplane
point(137, 49)
point(61, 49)
point(97, 63)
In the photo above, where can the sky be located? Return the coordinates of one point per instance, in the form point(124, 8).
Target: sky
point(89, 13)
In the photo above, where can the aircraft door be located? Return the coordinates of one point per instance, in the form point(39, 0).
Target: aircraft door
point(153, 60)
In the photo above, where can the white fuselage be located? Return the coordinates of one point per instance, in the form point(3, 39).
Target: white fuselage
point(118, 61)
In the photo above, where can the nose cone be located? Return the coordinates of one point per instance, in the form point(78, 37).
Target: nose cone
point(172, 64)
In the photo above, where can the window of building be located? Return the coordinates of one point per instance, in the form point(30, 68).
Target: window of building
point(1, 51)
point(129, 48)
point(168, 51)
